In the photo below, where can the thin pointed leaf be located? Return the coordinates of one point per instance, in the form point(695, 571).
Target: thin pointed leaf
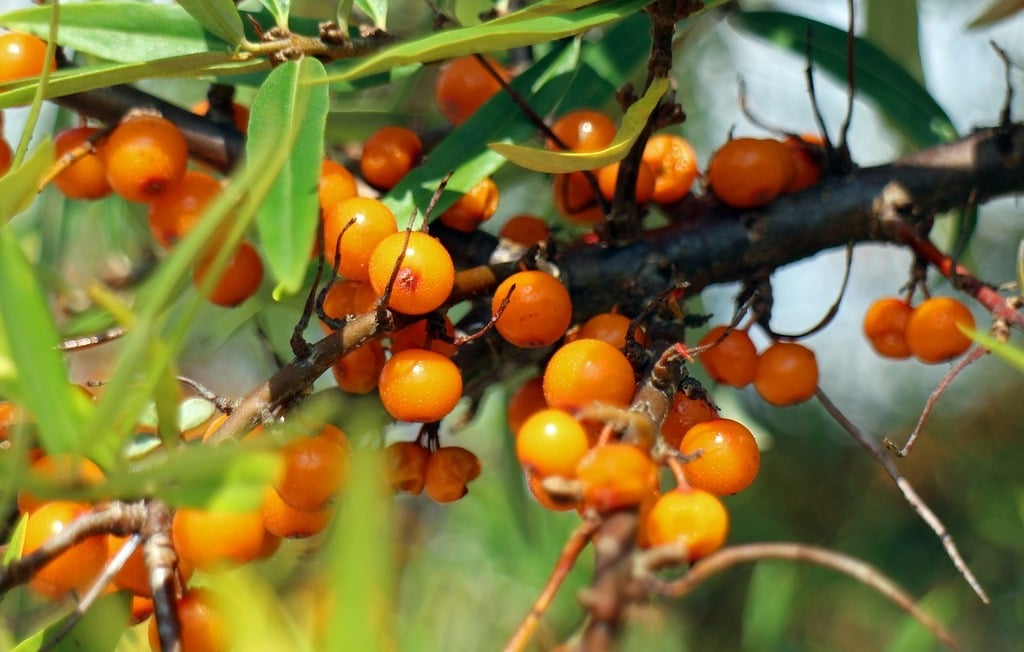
point(279, 9)
point(20, 186)
point(290, 110)
point(219, 17)
point(99, 629)
point(1008, 352)
point(377, 10)
point(633, 122)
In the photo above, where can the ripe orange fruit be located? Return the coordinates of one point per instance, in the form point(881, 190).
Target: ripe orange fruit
point(173, 214)
point(525, 229)
point(407, 466)
point(524, 402)
point(730, 458)
point(144, 156)
point(202, 626)
point(474, 207)
point(283, 520)
point(425, 278)
point(86, 178)
point(336, 184)
point(21, 55)
point(674, 163)
point(464, 85)
point(6, 157)
point(75, 568)
point(607, 179)
point(575, 199)
point(695, 518)
point(787, 373)
point(419, 334)
point(588, 371)
point(583, 130)
point(616, 475)
point(419, 385)
point(388, 155)
point(551, 443)
point(933, 331)
point(346, 298)
point(239, 114)
point(315, 470)
point(750, 172)
point(610, 327)
point(449, 470)
point(361, 223)
point(64, 470)
point(207, 540)
point(807, 152)
point(685, 413)
point(885, 325)
point(358, 371)
point(239, 280)
point(539, 309)
point(733, 360)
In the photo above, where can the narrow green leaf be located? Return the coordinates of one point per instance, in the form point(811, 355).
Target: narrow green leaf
point(1008, 352)
point(279, 9)
point(997, 11)
point(32, 339)
point(99, 629)
point(901, 97)
point(290, 110)
point(16, 542)
point(219, 17)
point(20, 186)
point(633, 122)
point(376, 10)
point(123, 31)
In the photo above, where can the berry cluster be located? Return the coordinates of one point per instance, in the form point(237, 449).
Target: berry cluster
point(931, 331)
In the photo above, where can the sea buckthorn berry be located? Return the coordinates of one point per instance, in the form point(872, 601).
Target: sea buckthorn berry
point(142, 608)
point(575, 199)
point(588, 371)
point(787, 373)
point(750, 172)
point(544, 497)
point(933, 334)
point(526, 230)
point(583, 130)
point(807, 152)
point(173, 214)
point(336, 184)
point(885, 325)
point(75, 568)
point(674, 163)
point(144, 156)
point(551, 442)
point(425, 278)
point(730, 458)
point(358, 371)
point(417, 334)
point(449, 470)
point(207, 539)
point(474, 207)
point(361, 223)
point(315, 470)
point(733, 361)
point(63, 470)
point(134, 575)
point(21, 55)
point(539, 309)
point(202, 626)
point(616, 475)
point(695, 518)
point(239, 114)
point(240, 279)
point(464, 85)
point(610, 327)
point(607, 179)
point(283, 520)
point(685, 413)
point(407, 466)
point(346, 298)
point(6, 157)
point(86, 178)
point(419, 385)
point(388, 155)
point(525, 402)
point(10, 416)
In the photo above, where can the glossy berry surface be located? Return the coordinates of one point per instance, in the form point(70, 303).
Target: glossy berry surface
point(75, 568)
point(86, 178)
point(525, 230)
point(202, 626)
point(282, 520)
point(388, 155)
point(575, 199)
point(729, 459)
point(933, 331)
point(464, 85)
point(585, 372)
point(239, 280)
point(808, 154)
point(419, 385)
point(684, 413)
point(407, 466)
point(173, 214)
point(144, 156)
point(885, 326)
point(551, 443)
point(336, 184)
point(673, 162)
point(21, 55)
point(583, 130)
point(424, 279)
point(750, 172)
point(358, 372)
point(787, 373)
point(695, 518)
point(315, 470)
point(616, 475)
point(353, 228)
point(538, 312)
point(474, 207)
point(608, 176)
point(730, 361)
point(525, 402)
point(610, 327)
point(208, 540)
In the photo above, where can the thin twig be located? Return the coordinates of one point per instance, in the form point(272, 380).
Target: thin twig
point(832, 311)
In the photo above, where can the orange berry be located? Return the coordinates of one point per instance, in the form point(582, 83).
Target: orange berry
point(550, 443)
point(407, 466)
point(6, 157)
point(21, 55)
point(206, 540)
point(336, 184)
point(75, 568)
point(173, 214)
point(358, 371)
point(575, 199)
point(607, 179)
point(361, 223)
point(419, 385)
point(63, 470)
point(733, 361)
point(424, 279)
point(588, 371)
point(685, 413)
point(807, 153)
point(616, 475)
point(539, 309)
point(142, 608)
point(544, 497)
point(86, 178)
point(933, 331)
point(144, 156)
point(449, 470)
point(885, 325)
point(240, 279)
point(474, 207)
point(610, 327)
point(315, 470)
point(346, 298)
point(787, 373)
point(239, 114)
point(202, 626)
point(695, 518)
point(283, 520)
point(750, 172)
point(674, 163)
point(134, 575)
point(388, 155)
point(464, 85)
point(418, 334)
point(525, 402)
point(730, 458)
point(583, 130)
point(525, 229)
